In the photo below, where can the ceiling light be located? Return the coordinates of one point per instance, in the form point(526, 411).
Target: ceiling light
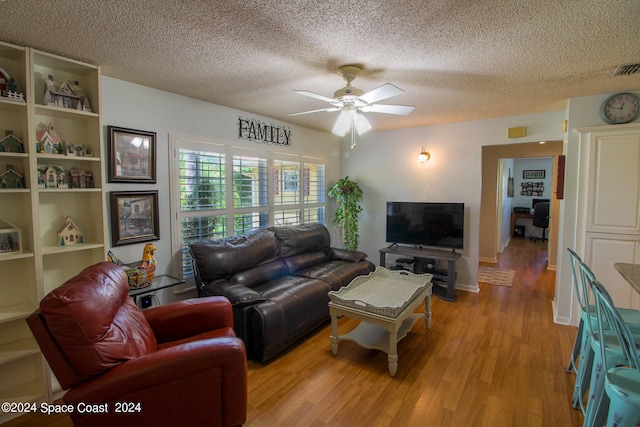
point(361, 123)
point(343, 124)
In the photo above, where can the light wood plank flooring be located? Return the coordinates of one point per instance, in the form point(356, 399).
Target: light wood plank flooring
point(493, 358)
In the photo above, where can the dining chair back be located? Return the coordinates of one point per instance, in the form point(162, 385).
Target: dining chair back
point(583, 276)
point(618, 401)
point(578, 343)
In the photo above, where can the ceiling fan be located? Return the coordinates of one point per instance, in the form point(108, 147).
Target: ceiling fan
point(352, 102)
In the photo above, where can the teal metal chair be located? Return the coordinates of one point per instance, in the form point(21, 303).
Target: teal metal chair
point(618, 400)
point(631, 316)
point(589, 371)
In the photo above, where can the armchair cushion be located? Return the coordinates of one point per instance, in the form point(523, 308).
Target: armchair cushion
point(189, 318)
point(97, 326)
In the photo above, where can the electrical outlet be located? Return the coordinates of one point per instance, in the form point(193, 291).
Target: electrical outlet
point(146, 301)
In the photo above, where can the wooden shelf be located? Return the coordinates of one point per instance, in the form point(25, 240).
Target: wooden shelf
point(15, 312)
point(18, 349)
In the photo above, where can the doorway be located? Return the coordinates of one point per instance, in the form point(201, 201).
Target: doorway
point(491, 155)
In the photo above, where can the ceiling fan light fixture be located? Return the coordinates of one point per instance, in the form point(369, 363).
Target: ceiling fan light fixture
point(361, 123)
point(343, 124)
point(352, 102)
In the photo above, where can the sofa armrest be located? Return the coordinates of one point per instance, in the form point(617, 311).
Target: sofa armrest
point(188, 318)
point(238, 295)
point(165, 382)
point(346, 255)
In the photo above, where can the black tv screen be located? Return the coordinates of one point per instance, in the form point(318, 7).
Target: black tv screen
point(426, 224)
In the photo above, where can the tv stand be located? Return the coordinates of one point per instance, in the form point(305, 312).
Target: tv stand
point(448, 294)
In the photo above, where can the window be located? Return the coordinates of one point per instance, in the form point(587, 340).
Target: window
point(222, 191)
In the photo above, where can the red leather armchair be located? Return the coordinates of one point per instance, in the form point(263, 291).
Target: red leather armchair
point(179, 364)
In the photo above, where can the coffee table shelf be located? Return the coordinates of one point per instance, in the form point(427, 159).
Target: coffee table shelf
point(375, 337)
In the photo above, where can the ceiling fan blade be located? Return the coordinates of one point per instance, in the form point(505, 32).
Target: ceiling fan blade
point(318, 96)
point(401, 110)
point(315, 111)
point(343, 124)
point(385, 91)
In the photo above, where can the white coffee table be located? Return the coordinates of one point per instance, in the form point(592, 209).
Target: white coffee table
point(384, 301)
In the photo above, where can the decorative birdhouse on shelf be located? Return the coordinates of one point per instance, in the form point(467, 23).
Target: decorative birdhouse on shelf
point(81, 179)
point(65, 95)
point(10, 238)
point(11, 143)
point(9, 87)
point(69, 234)
point(52, 176)
point(11, 178)
point(48, 140)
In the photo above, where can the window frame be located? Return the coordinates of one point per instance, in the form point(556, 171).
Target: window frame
point(179, 142)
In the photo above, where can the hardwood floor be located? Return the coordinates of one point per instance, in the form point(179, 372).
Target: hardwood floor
point(493, 358)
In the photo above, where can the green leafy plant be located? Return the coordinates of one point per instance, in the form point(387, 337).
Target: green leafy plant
point(348, 194)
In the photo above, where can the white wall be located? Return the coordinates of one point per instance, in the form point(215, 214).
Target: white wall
point(505, 202)
point(582, 112)
point(138, 107)
point(519, 166)
point(385, 164)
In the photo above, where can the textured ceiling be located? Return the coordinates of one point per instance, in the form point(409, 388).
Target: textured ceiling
point(456, 60)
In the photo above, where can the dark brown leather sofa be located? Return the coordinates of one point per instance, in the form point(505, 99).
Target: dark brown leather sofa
point(179, 364)
point(277, 280)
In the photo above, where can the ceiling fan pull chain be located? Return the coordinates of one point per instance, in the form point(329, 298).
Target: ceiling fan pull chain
point(353, 135)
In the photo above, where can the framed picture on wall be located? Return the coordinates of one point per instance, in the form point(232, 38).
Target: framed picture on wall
point(533, 174)
point(132, 155)
point(134, 217)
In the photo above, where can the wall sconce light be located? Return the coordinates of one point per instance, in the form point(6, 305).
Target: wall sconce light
point(424, 156)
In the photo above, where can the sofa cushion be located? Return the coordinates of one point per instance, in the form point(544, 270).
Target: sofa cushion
point(260, 274)
point(297, 262)
point(96, 330)
point(337, 273)
point(221, 258)
point(299, 239)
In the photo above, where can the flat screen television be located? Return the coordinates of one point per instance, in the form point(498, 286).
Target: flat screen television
point(426, 224)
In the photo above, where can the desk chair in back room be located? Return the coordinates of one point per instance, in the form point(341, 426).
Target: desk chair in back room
point(541, 219)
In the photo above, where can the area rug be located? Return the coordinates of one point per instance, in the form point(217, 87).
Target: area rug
point(496, 276)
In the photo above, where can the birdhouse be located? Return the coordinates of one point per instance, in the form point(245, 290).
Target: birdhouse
point(11, 178)
point(48, 140)
point(52, 176)
point(11, 143)
point(69, 234)
point(65, 95)
point(10, 238)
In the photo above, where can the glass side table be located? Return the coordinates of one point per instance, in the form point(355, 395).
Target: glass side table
point(162, 281)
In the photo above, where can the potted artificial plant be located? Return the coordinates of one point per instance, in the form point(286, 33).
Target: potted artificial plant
point(348, 194)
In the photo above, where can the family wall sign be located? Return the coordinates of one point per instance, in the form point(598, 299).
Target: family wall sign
point(263, 133)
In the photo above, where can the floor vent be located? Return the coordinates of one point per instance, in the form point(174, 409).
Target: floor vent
point(627, 69)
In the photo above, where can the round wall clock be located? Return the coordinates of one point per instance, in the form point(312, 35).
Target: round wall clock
point(620, 108)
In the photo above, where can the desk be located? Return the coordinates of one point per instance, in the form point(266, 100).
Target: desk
point(451, 256)
point(514, 219)
point(631, 273)
point(162, 281)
